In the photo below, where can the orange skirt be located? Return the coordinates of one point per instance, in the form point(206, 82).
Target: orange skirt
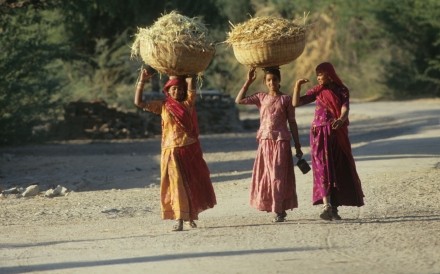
point(186, 187)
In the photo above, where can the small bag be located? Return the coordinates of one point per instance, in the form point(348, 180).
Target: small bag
point(303, 165)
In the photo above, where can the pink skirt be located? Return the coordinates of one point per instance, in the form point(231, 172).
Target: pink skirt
point(273, 186)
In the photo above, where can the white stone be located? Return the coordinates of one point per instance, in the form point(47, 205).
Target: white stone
point(31, 190)
point(49, 193)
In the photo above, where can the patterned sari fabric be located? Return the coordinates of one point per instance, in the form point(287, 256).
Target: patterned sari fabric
point(186, 188)
point(273, 186)
point(334, 169)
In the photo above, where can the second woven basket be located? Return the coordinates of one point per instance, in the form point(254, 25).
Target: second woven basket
point(267, 53)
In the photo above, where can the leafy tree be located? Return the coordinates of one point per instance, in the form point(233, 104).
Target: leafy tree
point(55, 51)
point(235, 11)
point(86, 21)
point(30, 65)
point(413, 29)
point(360, 50)
point(101, 33)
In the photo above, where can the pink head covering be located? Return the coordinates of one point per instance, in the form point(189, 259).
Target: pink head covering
point(328, 69)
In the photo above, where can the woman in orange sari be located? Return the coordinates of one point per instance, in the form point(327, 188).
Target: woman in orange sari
point(186, 188)
point(336, 182)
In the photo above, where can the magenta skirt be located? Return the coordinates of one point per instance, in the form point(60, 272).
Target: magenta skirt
point(334, 169)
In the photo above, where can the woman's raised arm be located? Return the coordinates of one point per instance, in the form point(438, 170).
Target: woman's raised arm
point(143, 78)
point(296, 100)
point(250, 79)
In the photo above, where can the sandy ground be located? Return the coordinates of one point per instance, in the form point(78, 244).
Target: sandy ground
point(111, 222)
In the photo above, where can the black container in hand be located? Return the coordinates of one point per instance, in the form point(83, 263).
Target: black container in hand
point(303, 166)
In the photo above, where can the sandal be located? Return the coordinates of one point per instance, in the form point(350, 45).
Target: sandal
point(278, 219)
point(191, 224)
point(178, 226)
point(326, 213)
point(281, 217)
point(335, 214)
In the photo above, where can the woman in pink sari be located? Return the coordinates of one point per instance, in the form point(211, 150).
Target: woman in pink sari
point(186, 188)
point(273, 186)
point(335, 179)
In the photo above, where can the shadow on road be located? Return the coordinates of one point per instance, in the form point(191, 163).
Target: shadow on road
point(146, 259)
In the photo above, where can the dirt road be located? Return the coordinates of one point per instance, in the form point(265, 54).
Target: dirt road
point(111, 222)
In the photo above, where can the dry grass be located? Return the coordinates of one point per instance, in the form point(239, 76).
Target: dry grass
point(173, 28)
point(266, 29)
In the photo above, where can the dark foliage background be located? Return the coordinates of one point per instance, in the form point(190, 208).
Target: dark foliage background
point(55, 52)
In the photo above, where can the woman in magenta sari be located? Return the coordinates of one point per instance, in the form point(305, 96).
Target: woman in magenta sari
point(186, 188)
point(335, 179)
point(273, 186)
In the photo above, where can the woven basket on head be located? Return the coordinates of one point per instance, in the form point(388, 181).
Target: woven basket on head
point(269, 54)
point(175, 58)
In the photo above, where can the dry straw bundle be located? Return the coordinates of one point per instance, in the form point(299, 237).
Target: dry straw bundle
point(267, 41)
point(175, 45)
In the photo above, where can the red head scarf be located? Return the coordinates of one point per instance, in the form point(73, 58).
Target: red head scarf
point(181, 114)
point(330, 96)
point(174, 82)
point(328, 69)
